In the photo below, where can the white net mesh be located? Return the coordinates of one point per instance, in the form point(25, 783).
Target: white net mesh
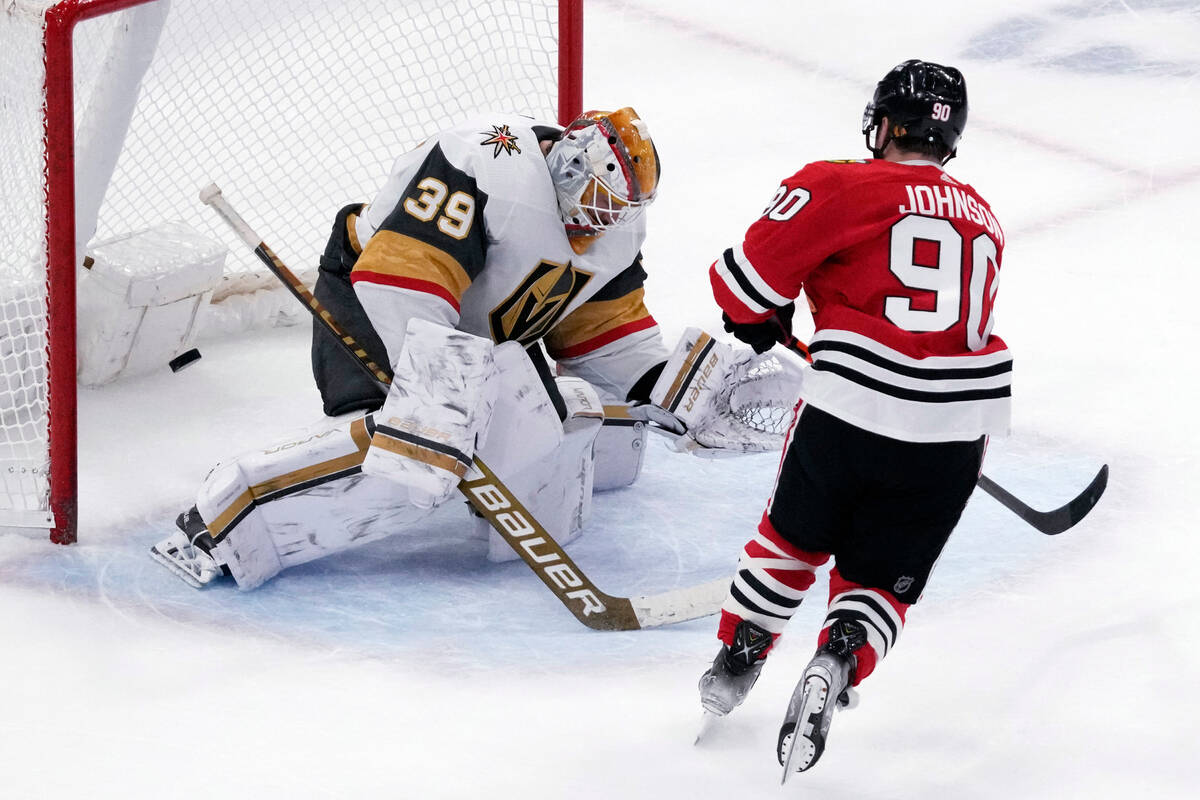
point(295, 107)
point(24, 458)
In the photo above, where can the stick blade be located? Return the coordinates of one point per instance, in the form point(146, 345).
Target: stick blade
point(1057, 520)
point(1087, 499)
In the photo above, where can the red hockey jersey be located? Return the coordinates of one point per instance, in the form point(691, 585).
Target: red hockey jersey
point(900, 263)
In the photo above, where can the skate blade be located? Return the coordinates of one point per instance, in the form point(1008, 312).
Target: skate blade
point(707, 721)
point(800, 751)
point(792, 749)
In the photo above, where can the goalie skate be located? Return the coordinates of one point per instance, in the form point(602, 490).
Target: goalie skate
point(184, 552)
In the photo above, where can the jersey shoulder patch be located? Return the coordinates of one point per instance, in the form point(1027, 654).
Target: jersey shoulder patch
point(501, 140)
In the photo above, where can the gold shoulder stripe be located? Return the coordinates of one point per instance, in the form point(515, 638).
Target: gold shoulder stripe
point(395, 255)
point(597, 317)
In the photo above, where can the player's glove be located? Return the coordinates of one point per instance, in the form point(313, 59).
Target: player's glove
point(762, 336)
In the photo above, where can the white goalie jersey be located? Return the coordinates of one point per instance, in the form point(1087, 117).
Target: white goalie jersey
point(466, 232)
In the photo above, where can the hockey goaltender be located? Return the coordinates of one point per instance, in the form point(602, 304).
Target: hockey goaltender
point(489, 241)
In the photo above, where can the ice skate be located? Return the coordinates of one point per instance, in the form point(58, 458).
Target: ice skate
point(186, 553)
point(823, 688)
point(726, 683)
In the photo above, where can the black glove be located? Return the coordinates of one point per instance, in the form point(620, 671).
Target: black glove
point(762, 336)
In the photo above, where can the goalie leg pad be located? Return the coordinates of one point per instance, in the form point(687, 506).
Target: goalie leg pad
point(438, 402)
point(556, 486)
point(243, 543)
point(524, 427)
point(144, 300)
point(298, 501)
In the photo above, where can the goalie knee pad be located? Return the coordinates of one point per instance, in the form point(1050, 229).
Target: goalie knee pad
point(524, 427)
point(620, 448)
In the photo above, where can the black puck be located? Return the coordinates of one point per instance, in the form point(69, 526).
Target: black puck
point(184, 359)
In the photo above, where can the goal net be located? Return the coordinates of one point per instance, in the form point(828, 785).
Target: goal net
point(116, 112)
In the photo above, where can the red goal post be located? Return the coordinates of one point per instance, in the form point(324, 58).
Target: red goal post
point(115, 112)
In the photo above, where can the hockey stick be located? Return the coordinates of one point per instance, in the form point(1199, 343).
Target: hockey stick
point(488, 495)
point(1050, 522)
point(1058, 519)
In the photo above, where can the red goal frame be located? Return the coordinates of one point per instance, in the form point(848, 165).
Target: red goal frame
point(59, 131)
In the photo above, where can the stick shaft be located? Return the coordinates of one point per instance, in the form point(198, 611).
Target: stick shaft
point(212, 196)
point(494, 501)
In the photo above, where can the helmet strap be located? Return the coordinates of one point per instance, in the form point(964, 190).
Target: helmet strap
point(872, 134)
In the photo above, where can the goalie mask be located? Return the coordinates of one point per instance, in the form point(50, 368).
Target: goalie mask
point(605, 171)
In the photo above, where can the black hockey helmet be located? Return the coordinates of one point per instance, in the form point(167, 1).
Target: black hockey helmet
point(925, 103)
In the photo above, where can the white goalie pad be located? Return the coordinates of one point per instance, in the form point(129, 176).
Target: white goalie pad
point(439, 400)
point(620, 448)
point(730, 400)
point(556, 484)
point(523, 428)
point(299, 500)
point(248, 550)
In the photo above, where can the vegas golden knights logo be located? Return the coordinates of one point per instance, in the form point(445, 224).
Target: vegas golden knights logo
point(533, 309)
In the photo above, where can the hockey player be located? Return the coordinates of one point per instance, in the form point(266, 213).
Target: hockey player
point(489, 237)
point(899, 262)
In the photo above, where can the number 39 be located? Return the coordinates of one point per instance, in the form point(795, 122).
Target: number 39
point(459, 210)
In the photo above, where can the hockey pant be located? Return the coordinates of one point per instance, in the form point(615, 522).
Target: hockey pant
point(881, 508)
point(306, 499)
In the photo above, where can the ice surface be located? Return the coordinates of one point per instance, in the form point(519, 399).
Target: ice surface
point(1035, 667)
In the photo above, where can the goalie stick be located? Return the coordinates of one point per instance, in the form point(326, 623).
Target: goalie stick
point(488, 495)
point(1050, 522)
